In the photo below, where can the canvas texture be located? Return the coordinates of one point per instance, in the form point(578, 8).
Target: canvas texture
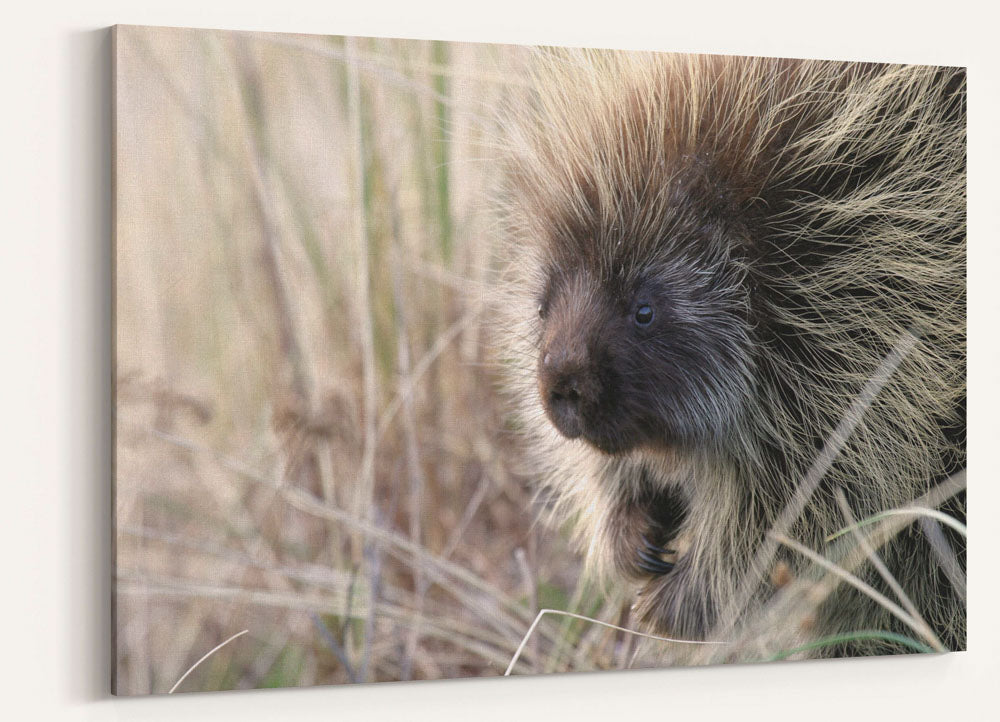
point(416, 340)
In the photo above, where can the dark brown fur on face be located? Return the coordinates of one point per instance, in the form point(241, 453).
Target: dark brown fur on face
point(710, 258)
point(638, 364)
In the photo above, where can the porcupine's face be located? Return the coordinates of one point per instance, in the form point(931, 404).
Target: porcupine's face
point(646, 346)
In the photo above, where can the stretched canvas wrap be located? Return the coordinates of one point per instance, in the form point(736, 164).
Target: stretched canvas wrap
point(441, 360)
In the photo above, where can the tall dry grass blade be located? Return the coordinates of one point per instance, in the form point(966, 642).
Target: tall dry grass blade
point(409, 384)
point(810, 482)
point(414, 464)
point(442, 152)
point(478, 496)
point(591, 649)
point(289, 318)
point(893, 523)
point(543, 612)
point(255, 159)
point(208, 654)
point(373, 560)
point(334, 646)
point(914, 511)
point(563, 638)
point(863, 587)
point(365, 484)
point(530, 593)
point(887, 577)
point(944, 554)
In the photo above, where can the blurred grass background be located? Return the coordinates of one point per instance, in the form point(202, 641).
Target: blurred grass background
point(309, 442)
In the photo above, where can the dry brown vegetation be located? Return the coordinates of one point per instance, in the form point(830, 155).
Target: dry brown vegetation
point(309, 441)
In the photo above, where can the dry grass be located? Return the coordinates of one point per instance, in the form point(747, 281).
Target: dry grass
point(309, 444)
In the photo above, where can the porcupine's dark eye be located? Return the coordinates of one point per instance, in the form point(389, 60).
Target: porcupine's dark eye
point(643, 315)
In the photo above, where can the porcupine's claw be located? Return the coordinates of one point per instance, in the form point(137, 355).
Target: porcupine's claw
point(651, 560)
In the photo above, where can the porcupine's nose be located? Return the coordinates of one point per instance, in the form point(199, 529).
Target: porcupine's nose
point(563, 383)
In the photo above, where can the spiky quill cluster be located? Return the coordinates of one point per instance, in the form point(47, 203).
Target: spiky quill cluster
point(788, 222)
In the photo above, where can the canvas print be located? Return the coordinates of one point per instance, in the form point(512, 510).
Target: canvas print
point(439, 360)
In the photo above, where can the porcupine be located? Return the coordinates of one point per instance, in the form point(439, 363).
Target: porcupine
point(708, 259)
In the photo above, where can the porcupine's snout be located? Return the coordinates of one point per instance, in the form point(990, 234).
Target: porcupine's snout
point(579, 382)
point(566, 386)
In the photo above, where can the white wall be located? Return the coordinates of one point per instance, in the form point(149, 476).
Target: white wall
point(55, 287)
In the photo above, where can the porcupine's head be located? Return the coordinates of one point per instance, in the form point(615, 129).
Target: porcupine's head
point(636, 351)
point(634, 258)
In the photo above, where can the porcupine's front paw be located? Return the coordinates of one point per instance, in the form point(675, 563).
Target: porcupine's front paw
point(651, 558)
point(641, 547)
point(641, 532)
